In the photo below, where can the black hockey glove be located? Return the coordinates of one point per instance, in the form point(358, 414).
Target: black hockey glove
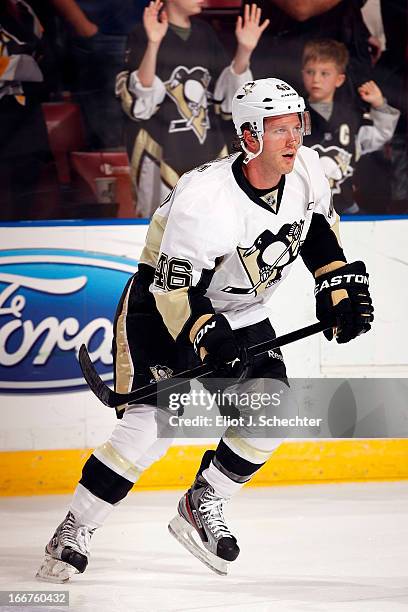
point(223, 354)
point(354, 311)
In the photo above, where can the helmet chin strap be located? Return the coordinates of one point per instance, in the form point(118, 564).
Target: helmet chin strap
point(249, 155)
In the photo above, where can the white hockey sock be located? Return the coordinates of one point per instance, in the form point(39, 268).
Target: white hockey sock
point(222, 485)
point(88, 509)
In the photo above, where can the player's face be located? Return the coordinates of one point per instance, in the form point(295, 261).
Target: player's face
point(321, 80)
point(282, 138)
point(186, 7)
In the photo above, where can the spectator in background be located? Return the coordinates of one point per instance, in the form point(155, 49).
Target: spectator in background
point(381, 178)
point(96, 44)
point(175, 87)
point(24, 148)
point(371, 12)
point(340, 134)
point(295, 22)
point(391, 73)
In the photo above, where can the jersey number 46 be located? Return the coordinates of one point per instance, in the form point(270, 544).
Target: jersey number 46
point(173, 273)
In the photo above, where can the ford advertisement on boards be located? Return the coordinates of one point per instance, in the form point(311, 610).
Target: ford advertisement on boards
point(51, 302)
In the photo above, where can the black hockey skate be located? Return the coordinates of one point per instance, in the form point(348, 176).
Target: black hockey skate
point(67, 552)
point(200, 509)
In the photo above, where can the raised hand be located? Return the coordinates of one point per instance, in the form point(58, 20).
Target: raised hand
point(155, 25)
point(248, 29)
point(371, 93)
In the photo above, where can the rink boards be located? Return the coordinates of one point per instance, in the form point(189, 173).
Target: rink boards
point(59, 283)
point(58, 471)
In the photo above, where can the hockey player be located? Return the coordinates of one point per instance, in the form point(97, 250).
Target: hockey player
point(176, 91)
point(215, 252)
point(341, 133)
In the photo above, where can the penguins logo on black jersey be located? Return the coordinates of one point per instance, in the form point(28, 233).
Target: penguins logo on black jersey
point(189, 90)
point(336, 165)
point(267, 256)
point(160, 373)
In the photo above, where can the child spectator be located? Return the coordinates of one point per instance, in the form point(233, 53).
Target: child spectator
point(341, 132)
point(176, 86)
point(296, 22)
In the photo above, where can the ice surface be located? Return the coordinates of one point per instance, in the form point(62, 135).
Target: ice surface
point(308, 548)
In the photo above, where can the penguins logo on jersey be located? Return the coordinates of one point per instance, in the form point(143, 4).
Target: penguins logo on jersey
point(160, 373)
point(336, 165)
point(189, 91)
point(267, 256)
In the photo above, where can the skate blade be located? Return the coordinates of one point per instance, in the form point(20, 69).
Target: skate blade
point(182, 531)
point(54, 570)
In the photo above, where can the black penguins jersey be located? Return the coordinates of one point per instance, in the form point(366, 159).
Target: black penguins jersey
point(176, 124)
point(185, 114)
point(217, 246)
point(341, 140)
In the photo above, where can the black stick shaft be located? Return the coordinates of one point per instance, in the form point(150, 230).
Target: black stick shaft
point(112, 399)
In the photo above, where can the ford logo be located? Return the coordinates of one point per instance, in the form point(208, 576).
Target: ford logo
point(51, 302)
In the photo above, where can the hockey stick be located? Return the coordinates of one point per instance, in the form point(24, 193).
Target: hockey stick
point(112, 399)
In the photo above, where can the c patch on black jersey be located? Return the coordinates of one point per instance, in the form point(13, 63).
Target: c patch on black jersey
point(269, 254)
point(189, 91)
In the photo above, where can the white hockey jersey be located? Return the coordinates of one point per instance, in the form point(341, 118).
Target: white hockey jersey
point(217, 245)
